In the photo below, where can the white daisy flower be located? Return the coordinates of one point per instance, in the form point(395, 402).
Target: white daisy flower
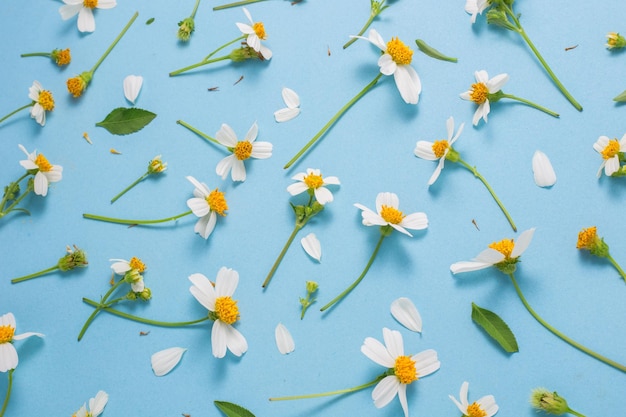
point(222, 309)
point(241, 150)
point(46, 172)
point(389, 215)
point(122, 266)
point(312, 246)
point(206, 205)
point(42, 102)
point(543, 172)
point(439, 149)
point(484, 407)
point(609, 149)
point(292, 101)
point(8, 354)
point(284, 340)
point(406, 313)
point(476, 7)
point(405, 369)
point(480, 90)
point(256, 34)
point(312, 181)
point(165, 360)
point(84, 9)
point(132, 87)
point(96, 406)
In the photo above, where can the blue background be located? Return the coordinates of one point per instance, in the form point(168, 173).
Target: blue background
point(370, 150)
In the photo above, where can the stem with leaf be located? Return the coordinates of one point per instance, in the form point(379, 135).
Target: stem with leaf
point(11, 207)
point(330, 393)
point(129, 221)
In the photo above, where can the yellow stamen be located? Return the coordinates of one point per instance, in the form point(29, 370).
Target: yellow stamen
point(46, 100)
point(391, 215)
point(90, 3)
point(587, 238)
point(76, 86)
point(6, 334)
point(259, 29)
point(505, 247)
point(62, 57)
point(474, 410)
point(612, 39)
point(226, 309)
point(243, 150)
point(137, 264)
point(404, 369)
point(611, 149)
point(313, 181)
point(479, 93)
point(42, 163)
point(440, 147)
point(400, 53)
point(217, 202)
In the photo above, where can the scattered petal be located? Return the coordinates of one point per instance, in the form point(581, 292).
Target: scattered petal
point(284, 341)
point(312, 246)
point(165, 360)
point(291, 98)
point(542, 170)
point(406, 313)
point(286, 114)
point(132, 86)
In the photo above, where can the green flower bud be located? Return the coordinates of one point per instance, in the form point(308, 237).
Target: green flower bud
point(146, 294)
point(156, 165)
point(76, 258)
point(244, 53)
point(615, 41)
point(311, 286)
point(547, 401)
point(185, 29)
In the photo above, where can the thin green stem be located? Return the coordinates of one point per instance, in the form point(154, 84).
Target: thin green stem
point(16, 202)
point(129, 221)
point(35, 275)
point(493, 194)
point(10, 190)
point(561, 335)
point(333, 120)
point(576, 413)
point(99, 307)
point(8, 394)
point(359, 279)
point(224, 46)
point(362, 31)
point(282, 253)
point(330, 393)
point(197, 132)
point(125, 190)
point(199, 64)
point(235, 4)
point(106, 53)
point(46, 54)
point(16, 111)
point(531, 104)
point(195, 9)
point(616, 266)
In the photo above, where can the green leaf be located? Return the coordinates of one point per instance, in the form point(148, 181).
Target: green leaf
point(232, 410)
point(149, 21)
point(432, 52)
point(123, 121)
point(495, 327)
point(621, 97)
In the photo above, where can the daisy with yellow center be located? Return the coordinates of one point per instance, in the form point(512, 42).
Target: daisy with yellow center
point(612, 152)
point(42, 101)
point(485, 407)
point(241, 150)
point(255, 32)
point(588, 239)
point(206, 205)
point(46, 173)
point(84, 10)
point(155, 166)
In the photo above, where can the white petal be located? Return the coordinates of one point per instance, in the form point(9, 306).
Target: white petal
point(542, 170)
point(245, 29)
point(252, 133)
point(203, 291)
point(312, 246)
point(437, 171)
point(238, 172)
point(323, 195)
point(7, 319)
point(387, 199)
point(463, 394)
point(490, 256)
point(496, 83)
point(522, 242)
point(402, 397)
point(424, 150)
point(286, 114)
point(393, 342)
point(377, 352)
point(266, 52)
point(481, 76)
point(106, 4)
point(205, 225)
point(26, 335)
point(218, 339)
point(165, 360)
point(86, 22)
point(375, 38)
point(226, 282)
point(198, 206)
point(97, 404)
point(261, 150)
point(8, 357)
point(406, 313)
point(468, 266)
point(235, 341)
point(426, 362)
point(225, 165)
point(248, 15)
point(611, 166)
point(41, 184)
point(226, 136)
point(387, 65)
point(415, 221)
point(297, 188)
point(132, 86)
point(385, 391)
point(38, 113)
point(408, 83)
point(201, 187)
point(291, 98)
point(69, 10)
point(284, 341)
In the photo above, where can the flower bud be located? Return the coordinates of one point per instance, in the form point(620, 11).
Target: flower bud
point(156, 165)
point(185, 29)
point(132, 276)
point(547, 401)
point(76, 258)
point(244, 53)
point(311, 287)
point(615, 41)
point(146, 294)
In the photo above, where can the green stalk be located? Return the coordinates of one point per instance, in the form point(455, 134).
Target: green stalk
point(8, 395)
point(199, 64)
point(329, 393)
point(224, 46)
point(576, 413)
point(16, 111)
point(129, 221)
point(531, 104)
point(16, 202)
point(197, 132)
point(99, 307)
point(106, 53)
point(295, 231)
point(616, 266)
point(235, 4)
point(46, 54)
point(34, 275)
point(10, 189)
point(125, 190)
point(195, 9)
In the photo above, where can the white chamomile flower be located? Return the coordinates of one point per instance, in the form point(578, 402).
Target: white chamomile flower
point(8, 354)
point(313, 182)
point(46, 172)
point(312, 246)
point(241, 150)
point(284, 340)
point(136, 266)
point(42, 102)
point(484, 407)
point(439, 149)
point(292, 101)
point(96, 406)
point(480, 90)
point(206, 205)
point(609, 149)
point(84, 9)
point(543, 172)
point(406, 313)
point(256, 34)
point(476, 7)
point(132, 87)
point(389, 215)
point(165, 360)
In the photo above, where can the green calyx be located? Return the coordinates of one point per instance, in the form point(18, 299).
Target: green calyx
point(549, 402)
point(453, 155)
point(508, 266)
point(243, 54)
point(185, 29)
point(306, 213)
point(76, 258)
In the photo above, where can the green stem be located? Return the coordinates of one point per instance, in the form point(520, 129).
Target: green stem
point(616, 266)
point(8, 395)
point(16, 202)
point(35, 275)
point(576, 413)
point(46, 54)
point(329, 393)
point(16, 111)
point(125, 190)
point(195, 9)
point(359, 279)
point(106, 53)
point(531, 104)
point(99, 307)
point(493, 194)
point(333, 120)
point(235, 4)
point(295, 231)
point(199, 64)
point(129, 221)
point(10, 189)
point(362, 31)
point(223, 46)
point(561, 335)
point(145, 321)
point(197, 132)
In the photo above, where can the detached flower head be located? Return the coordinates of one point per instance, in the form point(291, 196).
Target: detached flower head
point(96, 406)
point(403, 369)
point(61, 56)
point(206, 204)
point(610, 150)
point(131, 271)
point(389, 215)
point(8, 354)
point(256, 34)
point(615, 41)
point(588, 239)
point(476, 7)
point(42, 102)
point(484, 407)
point(45, 171)
point(77, 85)
point(314, 183)
point(439, 149)
point(241, 150)
point(222, 309)
point(548, 401)
point(481, 90)
point(84, 9)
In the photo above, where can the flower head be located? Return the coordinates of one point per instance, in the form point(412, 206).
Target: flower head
point(96, 406)
point(241, 150)
point(438, 150)
point(84, 9)
point(186, 28)
point(42, 102)
point(548, 401)
point(61, 56)
point(588, 239)
point(403, 369)
point(8, 354)
point(45, 171)
point(156, 165)
point(206, 204)
point(222, 309)
point(76, 86)
point(314, 183)
point(389, 215)
point(481, 90)
point(256, 34)
point(476, 7)
point(131, 271)
point(484, 407)
point(610, 150)
point(615, 41)
point(76, 258)
point(503, 255)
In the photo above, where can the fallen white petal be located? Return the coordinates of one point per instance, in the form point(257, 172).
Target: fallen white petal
point(284, 341)
point(164, 361)
point(290, 98)
point(407, 315)
point(132, 86)
point(312, 246)
point(286, 114)
point(542, 170)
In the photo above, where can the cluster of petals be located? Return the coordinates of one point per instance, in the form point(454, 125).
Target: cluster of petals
point(490, 86)
point(386, 200)
point(8, 354)
point(84, 10)
point(201, 208)
point(121, 267)
point(256, 33)
point(292, 101)
point(486, 406)
point(609, 149)
point(303, 184)
point(241, 150)
point(46, 172)
point(38, 110)
point(96, 406)
point(424, 149)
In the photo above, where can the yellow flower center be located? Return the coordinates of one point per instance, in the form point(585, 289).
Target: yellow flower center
point(313, 181)
point(75, 86)
point(479, 93)
point(226, 309)
point(137, 264)
point(46, 100)
point(611, 149)
point(404, 369)
point(587, 238)
point(63, 57)
point(391, 215)
point(505, 247)
point(6, 334)
point(259, 29)
point(440, 147)
point(217, 202)
point(474, 410)
point(243, 150)
point(90, 3)
point(156, 166)
point(400, 53)
point(612, 39)
point(42, 163)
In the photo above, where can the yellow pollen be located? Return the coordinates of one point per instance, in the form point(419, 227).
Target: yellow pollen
point(46, 100)
point(400, 53)
point(63, 57)
point(440, 147)
point(6, 334)
point(226, 309)
point(137, 264)
point(391, 215)
point(90, 3)
point(217, 202)
point(75, 86)
point(243, 150)
point(611, 149)
point(479, 93)
point(313, 181)
point(587, 238)
point(259, 29)
point(474, 410)
point(404, 369)
point(505, 247)
point(42, 163)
